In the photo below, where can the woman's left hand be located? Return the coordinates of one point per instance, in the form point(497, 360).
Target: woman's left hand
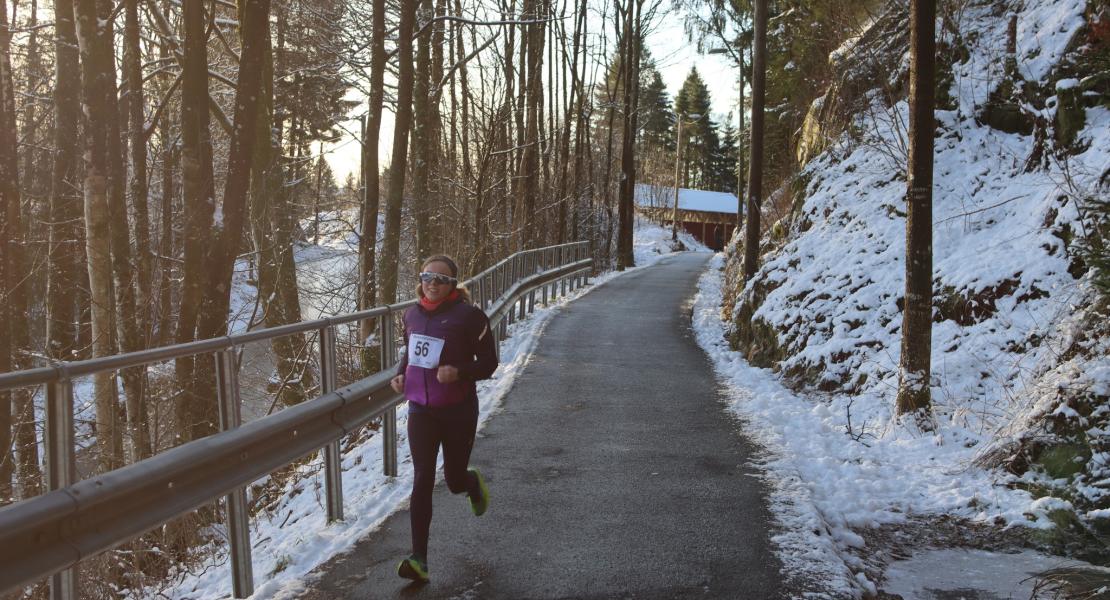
point(447, 374)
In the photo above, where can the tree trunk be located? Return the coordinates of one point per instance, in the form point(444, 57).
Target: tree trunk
point(35, 205)
point(436, 157)
point(16, 348)
point(917, 321)
point(65, 207)
point(464, 94)
point(755, 167)
point(631, 70)
point(565, 197)
point(133, 72)
point(166, 248)
point(391, 244)
point(581, 127)
point(740, 151)
point(367, 246)
point(254, 28)
point(129, 319)
point(195, 408)
point(96, 81)
point(273, 241)
point(423, 135)
point(530, 163)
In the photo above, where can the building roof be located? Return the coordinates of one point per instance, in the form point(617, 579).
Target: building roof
point(700, 200)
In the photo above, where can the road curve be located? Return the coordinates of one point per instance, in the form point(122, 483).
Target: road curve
point(614, 472)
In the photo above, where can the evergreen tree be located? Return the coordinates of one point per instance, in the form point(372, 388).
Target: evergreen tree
point(726, 159)
point(699, 133)
point(658, 124)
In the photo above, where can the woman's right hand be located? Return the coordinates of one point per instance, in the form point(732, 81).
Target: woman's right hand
point(398, 384)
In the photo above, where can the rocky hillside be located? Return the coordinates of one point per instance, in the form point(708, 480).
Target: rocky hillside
point(1021, 338)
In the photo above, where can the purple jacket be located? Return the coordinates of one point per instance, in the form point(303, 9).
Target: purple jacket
point(455, 334)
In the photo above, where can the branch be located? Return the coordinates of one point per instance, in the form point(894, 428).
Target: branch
point(455, 67)
point(161, 105)
point(226, 45)
point(166, 32)
point(470, 22)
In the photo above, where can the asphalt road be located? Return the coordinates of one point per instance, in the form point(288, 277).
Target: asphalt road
point(614, 472)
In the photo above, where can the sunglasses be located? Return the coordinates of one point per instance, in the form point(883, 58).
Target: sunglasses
point(428, 277)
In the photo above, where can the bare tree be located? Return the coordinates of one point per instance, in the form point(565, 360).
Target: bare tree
point(917, 319)
point(96, 77)
point(391, 244)
point(65, 205)
point(272, 229)
point(537, 11)
point(425, 135)
point(11, 321)
point(195, 410)
point(630, 70)
point(136, 105)
point(368, 237)
point(228, 231)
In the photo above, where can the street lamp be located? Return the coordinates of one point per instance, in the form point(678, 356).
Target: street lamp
point(678, 173)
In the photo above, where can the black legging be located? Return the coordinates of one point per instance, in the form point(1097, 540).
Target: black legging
point(453, 427)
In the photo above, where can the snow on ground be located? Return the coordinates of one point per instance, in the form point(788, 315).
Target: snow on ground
point(291, 540)
point(823, 483)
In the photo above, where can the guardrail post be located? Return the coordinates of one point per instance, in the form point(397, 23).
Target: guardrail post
point(510, 280)
point(532, 271)
point(556, 261)
point(522, 272)
point(574, 258)
point(238, 520)
point(60, 467)
point(333, 460)
point(584, 252)
point(563, 262)
point(545, 261)
point(503, 328)
point(389, 419)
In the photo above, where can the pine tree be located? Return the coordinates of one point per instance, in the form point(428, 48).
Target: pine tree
point(659, 120)
point(726, 159)
point(699, 133)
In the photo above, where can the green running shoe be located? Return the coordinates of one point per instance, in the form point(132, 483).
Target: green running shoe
point(479, 506)
point(415, 568)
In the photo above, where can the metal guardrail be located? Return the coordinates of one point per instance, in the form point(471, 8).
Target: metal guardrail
point(48, 535)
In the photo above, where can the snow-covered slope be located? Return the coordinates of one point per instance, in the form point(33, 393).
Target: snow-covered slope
point(1013, 319)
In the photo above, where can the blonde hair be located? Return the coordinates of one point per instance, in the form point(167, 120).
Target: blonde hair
point(450, 262)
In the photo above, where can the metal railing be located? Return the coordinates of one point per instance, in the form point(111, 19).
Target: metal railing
point(48, 535)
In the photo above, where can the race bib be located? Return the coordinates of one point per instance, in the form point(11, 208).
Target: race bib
point(424, 351)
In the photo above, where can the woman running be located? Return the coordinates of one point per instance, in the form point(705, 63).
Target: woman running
point(449, 347)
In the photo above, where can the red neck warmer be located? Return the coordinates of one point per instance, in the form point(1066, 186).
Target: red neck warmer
point(431, 306)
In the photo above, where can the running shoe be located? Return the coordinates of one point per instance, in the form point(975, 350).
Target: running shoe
point(414, 567)
point(478, 506)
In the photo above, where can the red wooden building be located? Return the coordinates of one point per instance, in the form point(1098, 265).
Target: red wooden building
point(708, 216)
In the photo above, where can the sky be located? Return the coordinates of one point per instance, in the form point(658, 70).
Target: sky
point(674, 56)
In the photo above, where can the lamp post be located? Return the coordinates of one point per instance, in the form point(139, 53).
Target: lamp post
point(738, 55)
point(678, 173)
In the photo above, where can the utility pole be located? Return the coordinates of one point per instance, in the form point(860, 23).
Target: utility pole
point(678, 173)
